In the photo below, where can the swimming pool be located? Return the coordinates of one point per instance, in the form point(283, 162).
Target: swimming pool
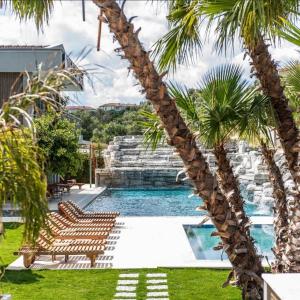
point(202, 242)
point(158, 202)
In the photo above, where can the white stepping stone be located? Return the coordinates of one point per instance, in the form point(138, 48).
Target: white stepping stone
point(157, 287)
point(133, 275)
point(125, 288)
point(125, 295)
point(153, 275)
point(157, 294)
point(156, 281)
point(128, 282)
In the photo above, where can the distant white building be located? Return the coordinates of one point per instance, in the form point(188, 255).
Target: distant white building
point(73, 108)
point(117, 106)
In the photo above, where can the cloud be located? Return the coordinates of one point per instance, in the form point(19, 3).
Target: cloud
point(113, 82)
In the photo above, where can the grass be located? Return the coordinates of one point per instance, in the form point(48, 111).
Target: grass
point(184, 284)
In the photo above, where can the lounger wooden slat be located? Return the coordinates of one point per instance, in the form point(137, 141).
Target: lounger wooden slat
point(57, 220)
point(106, 214)
point(73, 216)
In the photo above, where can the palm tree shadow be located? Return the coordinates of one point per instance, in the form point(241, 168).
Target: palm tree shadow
point(21, 277)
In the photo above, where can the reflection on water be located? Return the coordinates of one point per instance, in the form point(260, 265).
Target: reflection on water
point(160, 202)
point(202, 242)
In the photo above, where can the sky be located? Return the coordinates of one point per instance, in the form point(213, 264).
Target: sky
point(112, 82)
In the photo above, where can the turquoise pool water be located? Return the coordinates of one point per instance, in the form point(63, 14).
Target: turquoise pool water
point(157, 202)
point(202, 242)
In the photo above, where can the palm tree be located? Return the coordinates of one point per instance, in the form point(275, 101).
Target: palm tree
point(253, 21)
point(256, 126)
point(214, 111)
point(237, 244)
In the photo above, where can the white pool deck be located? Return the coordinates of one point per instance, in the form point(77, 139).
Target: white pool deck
point(82, 197)
point(143, 242)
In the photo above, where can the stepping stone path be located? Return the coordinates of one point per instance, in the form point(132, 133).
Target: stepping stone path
point(126, 286)
point(157, 286)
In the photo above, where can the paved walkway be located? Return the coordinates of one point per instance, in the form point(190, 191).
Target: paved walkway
point(82, 197)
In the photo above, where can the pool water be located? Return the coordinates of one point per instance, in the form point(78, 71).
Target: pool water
point(158, 202)
point(202, 242)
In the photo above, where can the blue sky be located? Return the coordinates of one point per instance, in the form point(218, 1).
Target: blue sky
point(113, 83)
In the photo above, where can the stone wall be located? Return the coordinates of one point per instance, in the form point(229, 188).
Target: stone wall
point(129, 163)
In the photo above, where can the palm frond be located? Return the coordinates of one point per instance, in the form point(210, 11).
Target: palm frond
point(154, 132)
point(259, 121)
point(289, 32)
point(39, 10)
point(291, 78)
point(249, 20)
point(183, 42)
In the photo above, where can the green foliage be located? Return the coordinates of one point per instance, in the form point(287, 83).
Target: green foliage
point(248, 20)
point(290, 32)
point(57, 138)
point(154, 132)
point(257, 123)
point(183, 37)
point(101, 126)
point(225, 106)
point(39, 10)
point(291, 78)
point(214, 111)
point(22, 181)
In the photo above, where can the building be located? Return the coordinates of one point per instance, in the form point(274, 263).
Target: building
point(16, 59)
point(74, 108)
point(117, 106)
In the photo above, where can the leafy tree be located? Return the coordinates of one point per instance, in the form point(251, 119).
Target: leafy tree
point(58, 138)
point(102, 126)
point(22, 179)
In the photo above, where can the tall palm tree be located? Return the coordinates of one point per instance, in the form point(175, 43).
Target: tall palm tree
point(253, 21)
point(256, 127)
point(240, 249)
point(237, 244)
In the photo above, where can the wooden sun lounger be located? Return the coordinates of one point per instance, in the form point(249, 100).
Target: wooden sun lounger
point(44, 237)
point(29, 254)
point(77, 233)
point(106, 214)
point(63, 223)
point(73, 216)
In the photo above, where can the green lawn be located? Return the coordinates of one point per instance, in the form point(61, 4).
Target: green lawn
point(184, 284)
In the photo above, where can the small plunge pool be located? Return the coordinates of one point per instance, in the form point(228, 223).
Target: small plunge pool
point(202, 242)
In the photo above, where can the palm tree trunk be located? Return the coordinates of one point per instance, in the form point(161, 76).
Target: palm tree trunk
point(280, 208)
point(238, 246)
point(267, 73)
point(229, 185)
